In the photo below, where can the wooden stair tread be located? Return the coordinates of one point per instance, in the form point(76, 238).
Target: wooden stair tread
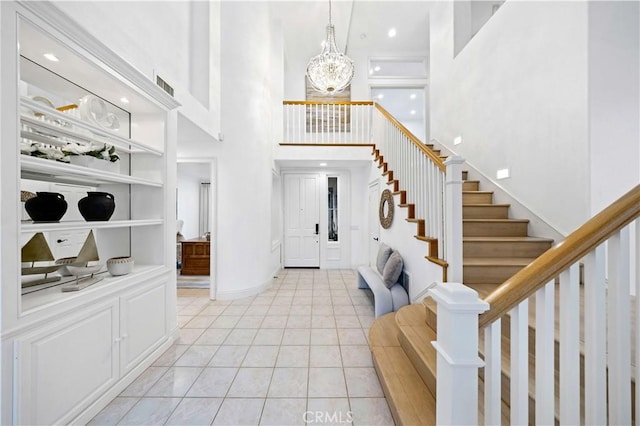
point(384, 331)
point(489, 220)
point(409, 399)
point(477, 192)
point(502, 261)
point(508, 239)
point(486, 205)
point(426, 239)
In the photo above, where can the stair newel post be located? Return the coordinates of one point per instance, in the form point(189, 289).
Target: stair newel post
point(453, 217)
point(457, 347)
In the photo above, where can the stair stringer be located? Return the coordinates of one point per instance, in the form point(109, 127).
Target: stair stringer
point(401, 236)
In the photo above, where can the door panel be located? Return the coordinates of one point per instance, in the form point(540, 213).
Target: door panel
point(374, 223)
point(301, 219)
point(66, 366)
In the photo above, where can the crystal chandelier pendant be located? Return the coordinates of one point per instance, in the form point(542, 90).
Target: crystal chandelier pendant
point(331, 71)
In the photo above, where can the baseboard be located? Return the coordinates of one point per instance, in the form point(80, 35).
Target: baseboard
point(248, 292)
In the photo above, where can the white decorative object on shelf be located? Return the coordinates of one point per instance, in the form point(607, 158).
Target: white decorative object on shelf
point(120, 265)
point(94, 110)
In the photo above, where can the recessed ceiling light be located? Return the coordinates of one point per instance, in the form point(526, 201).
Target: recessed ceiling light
point(392, 32)
point(412, 96)
point(124, 100)
point(51, 57)
point(376, 68)
point(323, 164)
point(413, 112)
point(380, 96)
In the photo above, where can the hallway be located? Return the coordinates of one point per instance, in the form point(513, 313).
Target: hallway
point(296, 354)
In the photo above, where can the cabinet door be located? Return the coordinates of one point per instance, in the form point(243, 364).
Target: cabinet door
point(143, 323)
point(63, 367)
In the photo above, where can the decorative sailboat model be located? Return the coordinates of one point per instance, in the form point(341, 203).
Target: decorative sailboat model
point(37, 250)
point(81, 269)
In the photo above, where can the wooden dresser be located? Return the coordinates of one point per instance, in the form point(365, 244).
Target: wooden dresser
point(195, 257)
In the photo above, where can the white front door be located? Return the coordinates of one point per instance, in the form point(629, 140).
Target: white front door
point(301, 221)
point(374, 223)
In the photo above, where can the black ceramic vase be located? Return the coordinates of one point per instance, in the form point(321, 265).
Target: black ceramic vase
point(97, 206)
point(46, 207)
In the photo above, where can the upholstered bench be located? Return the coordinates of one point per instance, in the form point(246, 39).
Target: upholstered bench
point(385, 281)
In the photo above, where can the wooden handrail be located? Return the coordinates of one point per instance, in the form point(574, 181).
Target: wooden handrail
point(555, 260)
point(327, 102)
point(430, 154)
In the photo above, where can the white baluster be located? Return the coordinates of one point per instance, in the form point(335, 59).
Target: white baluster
point(618, 330)
point(493, 374)
point(545, 345)
point(595, 339)
point(520, 364)
point(569, 317)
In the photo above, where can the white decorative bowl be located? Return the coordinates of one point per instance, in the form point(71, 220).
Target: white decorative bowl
point(120, 265)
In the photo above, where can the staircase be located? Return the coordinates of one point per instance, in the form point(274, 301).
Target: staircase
point(495, 247)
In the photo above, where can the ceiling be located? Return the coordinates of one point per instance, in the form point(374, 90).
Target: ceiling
point(360, 26)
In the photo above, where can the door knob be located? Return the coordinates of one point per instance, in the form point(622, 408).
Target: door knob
point(375, 238)
point(61, 241)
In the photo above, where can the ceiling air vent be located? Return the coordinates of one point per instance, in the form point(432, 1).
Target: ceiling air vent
point(164, 85)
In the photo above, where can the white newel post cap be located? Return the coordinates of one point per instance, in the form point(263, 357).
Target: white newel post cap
point(458, 310)
point(453, 159)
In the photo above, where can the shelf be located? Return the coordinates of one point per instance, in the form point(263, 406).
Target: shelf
point(56, 171)
point(115, 139)
point(71, 226)
point(53, 294)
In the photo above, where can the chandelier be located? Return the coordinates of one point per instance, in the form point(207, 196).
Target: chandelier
point(331, 71)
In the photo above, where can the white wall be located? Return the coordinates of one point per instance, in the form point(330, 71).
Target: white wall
point(190, 175)
point(614, 100)
point(517, 93)
point(180, 41)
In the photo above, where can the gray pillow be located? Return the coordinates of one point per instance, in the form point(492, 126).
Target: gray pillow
point(384, 251)
point(392, 269)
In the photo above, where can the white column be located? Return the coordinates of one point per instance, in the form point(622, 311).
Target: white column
point(457, 347)
point(453, 217)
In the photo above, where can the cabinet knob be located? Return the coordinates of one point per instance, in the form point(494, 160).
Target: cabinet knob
point(124, 336)
point(117, 339)
point(61, 241)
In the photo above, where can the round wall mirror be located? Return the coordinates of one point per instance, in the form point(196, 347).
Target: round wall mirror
point(386, 209)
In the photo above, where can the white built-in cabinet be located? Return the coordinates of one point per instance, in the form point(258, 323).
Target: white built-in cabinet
point(65, 355)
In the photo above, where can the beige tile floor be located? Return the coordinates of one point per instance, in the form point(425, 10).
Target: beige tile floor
point(295, 354)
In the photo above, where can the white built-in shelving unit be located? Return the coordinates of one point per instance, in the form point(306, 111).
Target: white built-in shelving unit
point(65, 355)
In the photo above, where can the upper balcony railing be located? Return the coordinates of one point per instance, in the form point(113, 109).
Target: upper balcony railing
point(326, 123)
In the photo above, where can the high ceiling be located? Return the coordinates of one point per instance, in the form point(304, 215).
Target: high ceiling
point(362, 25)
